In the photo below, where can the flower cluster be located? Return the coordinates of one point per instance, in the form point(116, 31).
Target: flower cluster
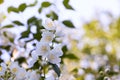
point(47, 52)
point(13, 71)
point(46, 48)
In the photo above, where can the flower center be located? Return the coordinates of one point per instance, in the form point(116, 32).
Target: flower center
point(52, 56)
point(0, 68)
point(14, 69)
point(44, 49)
point(48, 38)
point(50, 24)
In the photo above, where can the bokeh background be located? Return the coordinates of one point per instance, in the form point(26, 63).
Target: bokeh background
point(89, 30)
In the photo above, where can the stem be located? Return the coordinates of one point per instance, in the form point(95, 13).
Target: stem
point(44, 70)
point(44, 67)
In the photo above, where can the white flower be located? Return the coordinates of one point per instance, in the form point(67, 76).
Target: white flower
point(32, 75)
point(21, 75)
point(42, 48)
point(58, 50)
point(33, 59)
point(2, 17)
point(54, 55)
point(3, 68)
point(65, 75)
point(47, 36)
point(34, 55)
point(52, 58)
point(14, 67)
point(49, 24)
point(51, 75)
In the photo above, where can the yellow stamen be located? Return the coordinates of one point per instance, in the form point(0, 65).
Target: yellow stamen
point(48, 38)
point(0, 68)
point(50, 24)
point(44, 49)
point(52, 56)
point(14, 69)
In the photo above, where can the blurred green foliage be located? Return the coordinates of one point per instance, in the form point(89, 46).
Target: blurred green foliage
point(1, 1)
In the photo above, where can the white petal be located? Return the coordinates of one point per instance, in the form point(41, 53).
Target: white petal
point(53, 58)
point(57, 51)
point(47, 36)
point(49, 24)
point(42, 48)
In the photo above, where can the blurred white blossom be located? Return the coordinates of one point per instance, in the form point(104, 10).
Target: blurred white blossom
point(3, 68)
point(42, 48)
point(49, 24)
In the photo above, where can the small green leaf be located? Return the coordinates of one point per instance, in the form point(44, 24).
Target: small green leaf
point(68, 24)
point(46, 4)
point(1, 60)
point(12, 9)
point(31, 20)
point(22, 7)
point(0, 53)
point(66, 4)
point(7, 26)
point(21, 60)
point(5, 34)
point(64, 49)
point(1, 1)
point(75, 70)
point(11, 40)
point(6, 47)
point(18, 23)
point(52, 15)
point(56, 69)
point(40, 10)
point(71, 56)
point(25, 33)
point(36, 65)
point(55, 16)
point(37, 36)
point(33, 4)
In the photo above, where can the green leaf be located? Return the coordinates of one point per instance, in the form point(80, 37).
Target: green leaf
point(36, 65)
point(39, 25)
point(75, 70)
point(33, 4)
point(18, 23)
point(66, 4)
point(21, 60)
point(12, 9)
point(52, 15)
point(1, 60)
point(40, 10)
point(1, 1)
point(64, 49)
point(37, 36)
point(55, 16)
point(7, 26)
point(7, 47)
point(25, 33)
point(46, 4)
point(71, 56)
point(0, 54)
point(22, 7)
point(68, 24)
point(56, 69)
point(5, 34)
point(31, 20)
